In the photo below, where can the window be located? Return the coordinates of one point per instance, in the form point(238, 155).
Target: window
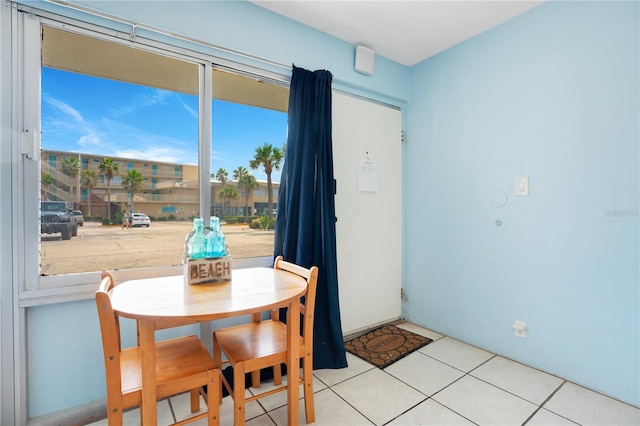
point(147, 124)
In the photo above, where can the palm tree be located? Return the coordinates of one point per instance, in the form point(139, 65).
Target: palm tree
point(238, 174)
point(222, 175)
point(133, 182)
point(45, 181)
point(247, 185)
point(110, 169)
point(270, 158)
point(228, 193)
point(89, 179)
point(71, 168)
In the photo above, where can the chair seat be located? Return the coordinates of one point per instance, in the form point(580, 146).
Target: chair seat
point(175, 359)
point(267, 339)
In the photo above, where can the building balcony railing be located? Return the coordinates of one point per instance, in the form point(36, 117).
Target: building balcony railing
point(154, 198)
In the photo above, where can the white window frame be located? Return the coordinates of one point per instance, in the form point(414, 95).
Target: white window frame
point(40, 290)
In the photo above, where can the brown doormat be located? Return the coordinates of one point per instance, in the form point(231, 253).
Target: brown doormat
point(385, 345)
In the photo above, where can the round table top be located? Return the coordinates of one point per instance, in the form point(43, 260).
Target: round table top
point(171, 298)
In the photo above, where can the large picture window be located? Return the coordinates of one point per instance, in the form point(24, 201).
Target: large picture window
point(129, 149)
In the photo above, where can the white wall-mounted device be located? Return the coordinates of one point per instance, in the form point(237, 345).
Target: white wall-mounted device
point(365, 59)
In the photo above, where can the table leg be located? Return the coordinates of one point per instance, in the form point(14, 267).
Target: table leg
point(148, 360)
point(293, 363)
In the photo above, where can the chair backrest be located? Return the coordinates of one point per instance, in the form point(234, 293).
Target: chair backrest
point(307, 309)
point(110, 329)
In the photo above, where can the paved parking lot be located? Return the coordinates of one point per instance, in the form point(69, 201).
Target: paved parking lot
point(98, 247)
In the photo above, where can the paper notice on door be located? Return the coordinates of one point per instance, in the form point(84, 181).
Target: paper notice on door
point(368, 176)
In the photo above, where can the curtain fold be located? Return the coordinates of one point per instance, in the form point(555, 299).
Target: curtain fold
point(305, 225)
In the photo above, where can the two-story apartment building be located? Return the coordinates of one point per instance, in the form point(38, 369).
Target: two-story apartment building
point(168, 189)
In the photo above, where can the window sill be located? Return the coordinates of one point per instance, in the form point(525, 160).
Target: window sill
point(75, 287)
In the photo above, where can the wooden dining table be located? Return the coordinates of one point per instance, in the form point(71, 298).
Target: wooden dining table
point(165, 302)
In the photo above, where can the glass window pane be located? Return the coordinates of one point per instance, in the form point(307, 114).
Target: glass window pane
point(242, 123)
point(120, 146)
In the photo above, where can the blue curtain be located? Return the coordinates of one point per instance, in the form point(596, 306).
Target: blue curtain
point(305, 226)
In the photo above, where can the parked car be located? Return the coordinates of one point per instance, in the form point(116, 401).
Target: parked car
point(57, 216)
point(79, 217)
point(140, 219)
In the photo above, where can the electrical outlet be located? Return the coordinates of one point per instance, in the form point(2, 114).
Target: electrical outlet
point(520, 329)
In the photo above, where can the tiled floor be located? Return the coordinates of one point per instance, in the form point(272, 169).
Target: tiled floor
point(444, 383)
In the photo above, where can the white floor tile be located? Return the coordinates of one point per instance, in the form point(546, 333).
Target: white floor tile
point(456, 354)
point(263, 420)
point(251, 410)
point(547, 418)
point(332, 376)
point(272, 402)
point(424, 373)
point(132, 417)
point(379, 396)
point(526, 382)
point(182, 407)
point(330, 410)
point(484, 404)
point(586, 407)
point(420, 330)
point(432, 414)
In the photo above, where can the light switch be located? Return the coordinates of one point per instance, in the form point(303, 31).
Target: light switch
point(522, 186)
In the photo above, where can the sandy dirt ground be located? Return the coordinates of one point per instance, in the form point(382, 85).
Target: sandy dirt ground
point(98, 247)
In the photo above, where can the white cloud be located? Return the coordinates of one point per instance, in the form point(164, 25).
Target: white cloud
point(64, 108)
point(187, 108)
point(141, 101)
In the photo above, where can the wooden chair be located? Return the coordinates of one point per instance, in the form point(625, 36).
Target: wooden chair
point(262, 344)
point(182, 364)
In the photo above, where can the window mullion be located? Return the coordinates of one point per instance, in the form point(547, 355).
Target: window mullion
point(204, 140)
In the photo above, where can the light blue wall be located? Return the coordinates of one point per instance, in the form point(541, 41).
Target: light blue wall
point(552, 95)
point(64, 348)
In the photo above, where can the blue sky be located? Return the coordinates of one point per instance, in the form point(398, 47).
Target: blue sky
point(98, 116)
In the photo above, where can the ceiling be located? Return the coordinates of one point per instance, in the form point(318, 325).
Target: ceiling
point(406, 32)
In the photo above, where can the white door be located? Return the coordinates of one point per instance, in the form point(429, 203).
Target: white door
point(369, 226)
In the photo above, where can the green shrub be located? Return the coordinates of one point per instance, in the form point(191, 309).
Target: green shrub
point(173, 217)
point(255, 225)
point(120, 218)
point(232, 219)
point(264, 222)
point(106, 221)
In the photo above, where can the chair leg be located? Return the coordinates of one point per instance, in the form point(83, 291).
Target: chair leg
point(213, 397)
point(114, 412)
point(195, 400)
point(217, 361)
point(255, 379)
point(277, 374)
point(307, 374)
point(238, 395)
point(115, 418)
